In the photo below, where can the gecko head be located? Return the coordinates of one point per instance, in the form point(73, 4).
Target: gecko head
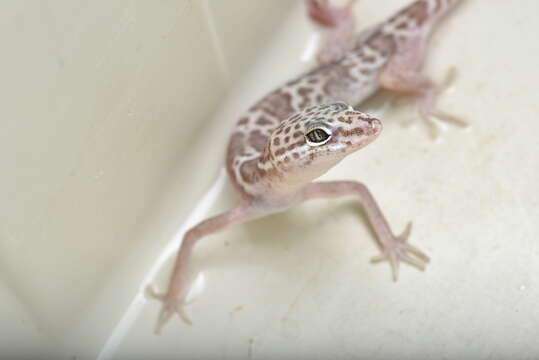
point(309, 143)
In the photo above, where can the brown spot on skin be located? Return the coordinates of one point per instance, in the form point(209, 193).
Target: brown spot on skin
point(297, 126)
point(287, 130)
point(286, 139)
point(438, 5)
point(280, 151)
point(286, 159)
point(281, 102)
point(248, 171)
point(348, 133)
point(368, 59)
point(295, 145)
point(368, 119)
point(402, 25)
point(304, 93)
point(297, 134)
point(417, 11)
point(257, 140)
point(384, 44)
point(276, 141)
point(293, 81)
point(295, 155)
point(263, 121)
point(332, 83)
point(277, 104)
point(346, 70)
point(313, 80)
point(243, 121)
point(273, 173)
point(365, 71)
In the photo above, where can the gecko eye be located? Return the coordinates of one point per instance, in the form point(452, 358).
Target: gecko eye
point(317, 137)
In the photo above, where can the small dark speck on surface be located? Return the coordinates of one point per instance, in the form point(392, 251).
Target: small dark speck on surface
point(251, 346)
point(237, 308)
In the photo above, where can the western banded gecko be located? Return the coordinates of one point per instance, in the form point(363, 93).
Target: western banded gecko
point(299, 131)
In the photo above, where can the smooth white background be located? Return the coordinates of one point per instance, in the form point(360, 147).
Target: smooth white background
point(114, 118)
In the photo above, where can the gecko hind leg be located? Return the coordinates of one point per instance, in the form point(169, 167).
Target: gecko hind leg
point(426, 104)
point(401, 74)
point(339, 28)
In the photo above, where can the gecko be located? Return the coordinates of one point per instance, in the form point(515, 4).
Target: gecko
point(302, 129)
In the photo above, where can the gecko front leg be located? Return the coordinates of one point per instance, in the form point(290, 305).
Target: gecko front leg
point(174, 299)
point(394, 248)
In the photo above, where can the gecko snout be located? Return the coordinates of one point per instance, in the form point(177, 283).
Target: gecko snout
point(367, 125)
point(372, 126)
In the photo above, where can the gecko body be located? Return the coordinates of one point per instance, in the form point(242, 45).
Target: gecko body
point(351, 79)
point(299, 131)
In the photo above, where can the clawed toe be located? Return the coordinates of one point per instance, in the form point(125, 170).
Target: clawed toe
point(428, 115)
point(398, 250)
point(170, 307)
point(151, 293)
point(448, 118)
point(427, 110)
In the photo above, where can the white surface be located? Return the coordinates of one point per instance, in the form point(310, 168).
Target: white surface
point(101, 149)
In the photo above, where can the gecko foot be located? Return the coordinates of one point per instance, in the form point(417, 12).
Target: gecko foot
point(427, 110)
point(170, 307)
point(323, 14)
point(398, 250)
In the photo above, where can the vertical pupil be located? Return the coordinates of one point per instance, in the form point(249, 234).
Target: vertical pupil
point(317, 135)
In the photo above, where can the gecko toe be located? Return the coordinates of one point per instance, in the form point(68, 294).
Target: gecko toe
point(396, 250)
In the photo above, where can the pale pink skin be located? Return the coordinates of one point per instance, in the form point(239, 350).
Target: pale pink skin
point(272, 163)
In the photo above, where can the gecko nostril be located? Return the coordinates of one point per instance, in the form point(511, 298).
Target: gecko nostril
point(376, 125)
